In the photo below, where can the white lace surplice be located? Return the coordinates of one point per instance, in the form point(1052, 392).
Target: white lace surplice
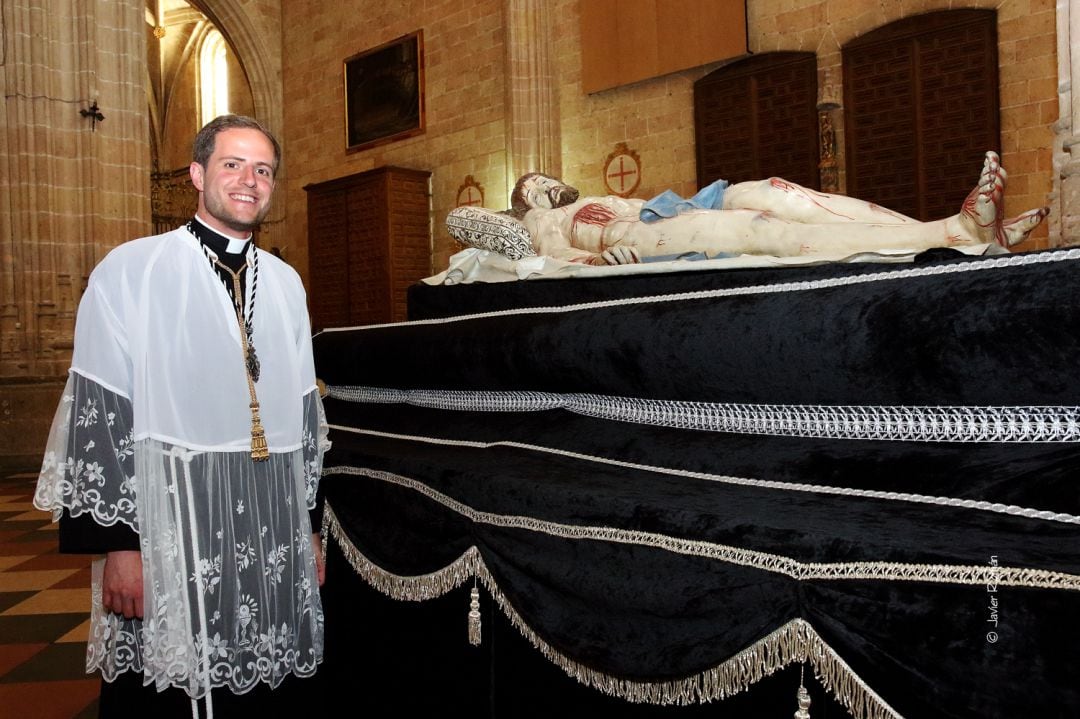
point(230, 591)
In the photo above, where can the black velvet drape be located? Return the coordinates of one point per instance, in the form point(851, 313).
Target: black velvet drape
point(974, 334)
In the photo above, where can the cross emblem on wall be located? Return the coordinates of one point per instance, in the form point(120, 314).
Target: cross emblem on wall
point(470, 194)
point(622, 171)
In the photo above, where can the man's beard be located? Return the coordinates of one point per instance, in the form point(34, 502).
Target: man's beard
point(241, 225)
point(219, 212)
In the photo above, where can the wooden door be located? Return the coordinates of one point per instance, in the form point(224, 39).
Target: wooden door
point(757, 118)
point(921, 110)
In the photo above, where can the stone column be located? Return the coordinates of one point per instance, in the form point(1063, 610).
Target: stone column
point(71, 186)
point(532, 100)
point(1065, 228)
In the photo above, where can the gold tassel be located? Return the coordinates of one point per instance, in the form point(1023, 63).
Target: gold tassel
point(259, 451)
point(474, 617)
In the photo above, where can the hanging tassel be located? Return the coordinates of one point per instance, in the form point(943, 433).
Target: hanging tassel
point(474, 617)
point(251, 363)
point(803, 697)
point(259, 451)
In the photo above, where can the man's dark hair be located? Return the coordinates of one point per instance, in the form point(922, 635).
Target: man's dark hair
point(203, 146)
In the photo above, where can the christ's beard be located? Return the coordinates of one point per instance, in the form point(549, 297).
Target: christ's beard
point(563, 195)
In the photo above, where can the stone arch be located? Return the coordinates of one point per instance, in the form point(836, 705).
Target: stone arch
point(255, 56)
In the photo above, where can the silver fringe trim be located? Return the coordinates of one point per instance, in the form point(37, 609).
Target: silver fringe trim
point(898, 423)
point(779, 564)
point(995, 263)
point(980, 505)
point(795, 641)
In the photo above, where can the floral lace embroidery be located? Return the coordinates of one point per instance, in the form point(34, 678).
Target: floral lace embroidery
point(233, 604)
point(88, 466)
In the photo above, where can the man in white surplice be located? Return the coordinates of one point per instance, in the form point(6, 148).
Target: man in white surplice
point(186, 456)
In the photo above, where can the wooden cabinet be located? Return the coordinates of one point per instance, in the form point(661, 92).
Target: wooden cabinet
point(369, 238)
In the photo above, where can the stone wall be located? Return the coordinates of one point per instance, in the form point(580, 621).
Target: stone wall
point(464, 55)
point(655, 117)
point(469, 98)
point(71, 188)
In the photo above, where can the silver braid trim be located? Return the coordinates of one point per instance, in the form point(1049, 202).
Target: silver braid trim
point(765, 561)
point(899, 423)
point(795, 641)
point(995, 263)
point(975, 504)
point(458, 400)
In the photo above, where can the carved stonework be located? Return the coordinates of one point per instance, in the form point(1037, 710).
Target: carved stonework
point(173, 199)
point(1065, 226)
point(828, 166)
point(1069, 201)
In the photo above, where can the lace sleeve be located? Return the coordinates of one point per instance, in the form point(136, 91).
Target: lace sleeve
point(89, 460)
point(316, 443)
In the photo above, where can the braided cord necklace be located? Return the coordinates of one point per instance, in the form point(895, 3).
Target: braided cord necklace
point(245, 316)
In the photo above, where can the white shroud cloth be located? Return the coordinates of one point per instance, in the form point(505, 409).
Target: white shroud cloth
point(154, 430)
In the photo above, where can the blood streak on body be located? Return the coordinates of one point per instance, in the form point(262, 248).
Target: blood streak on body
point(592, 214)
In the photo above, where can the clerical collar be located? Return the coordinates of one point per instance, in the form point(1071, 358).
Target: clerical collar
point(227, 255)
point(219, 243)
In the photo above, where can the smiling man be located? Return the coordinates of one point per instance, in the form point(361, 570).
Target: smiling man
point(191, 464)
point(235, 180)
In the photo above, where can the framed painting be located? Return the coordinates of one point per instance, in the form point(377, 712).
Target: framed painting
point(384, 93)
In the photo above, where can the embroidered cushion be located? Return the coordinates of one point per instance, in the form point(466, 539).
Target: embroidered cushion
point(490, 230)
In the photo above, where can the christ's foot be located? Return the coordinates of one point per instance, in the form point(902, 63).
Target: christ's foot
point(1018, 228)
point(982, 212)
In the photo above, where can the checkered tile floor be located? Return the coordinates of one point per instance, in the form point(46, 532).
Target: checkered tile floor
point(44, 605)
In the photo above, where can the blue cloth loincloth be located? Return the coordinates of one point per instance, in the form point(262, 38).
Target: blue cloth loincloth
point(669, 204)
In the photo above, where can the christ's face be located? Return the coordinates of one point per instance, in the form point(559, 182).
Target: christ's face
point(547, 193)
